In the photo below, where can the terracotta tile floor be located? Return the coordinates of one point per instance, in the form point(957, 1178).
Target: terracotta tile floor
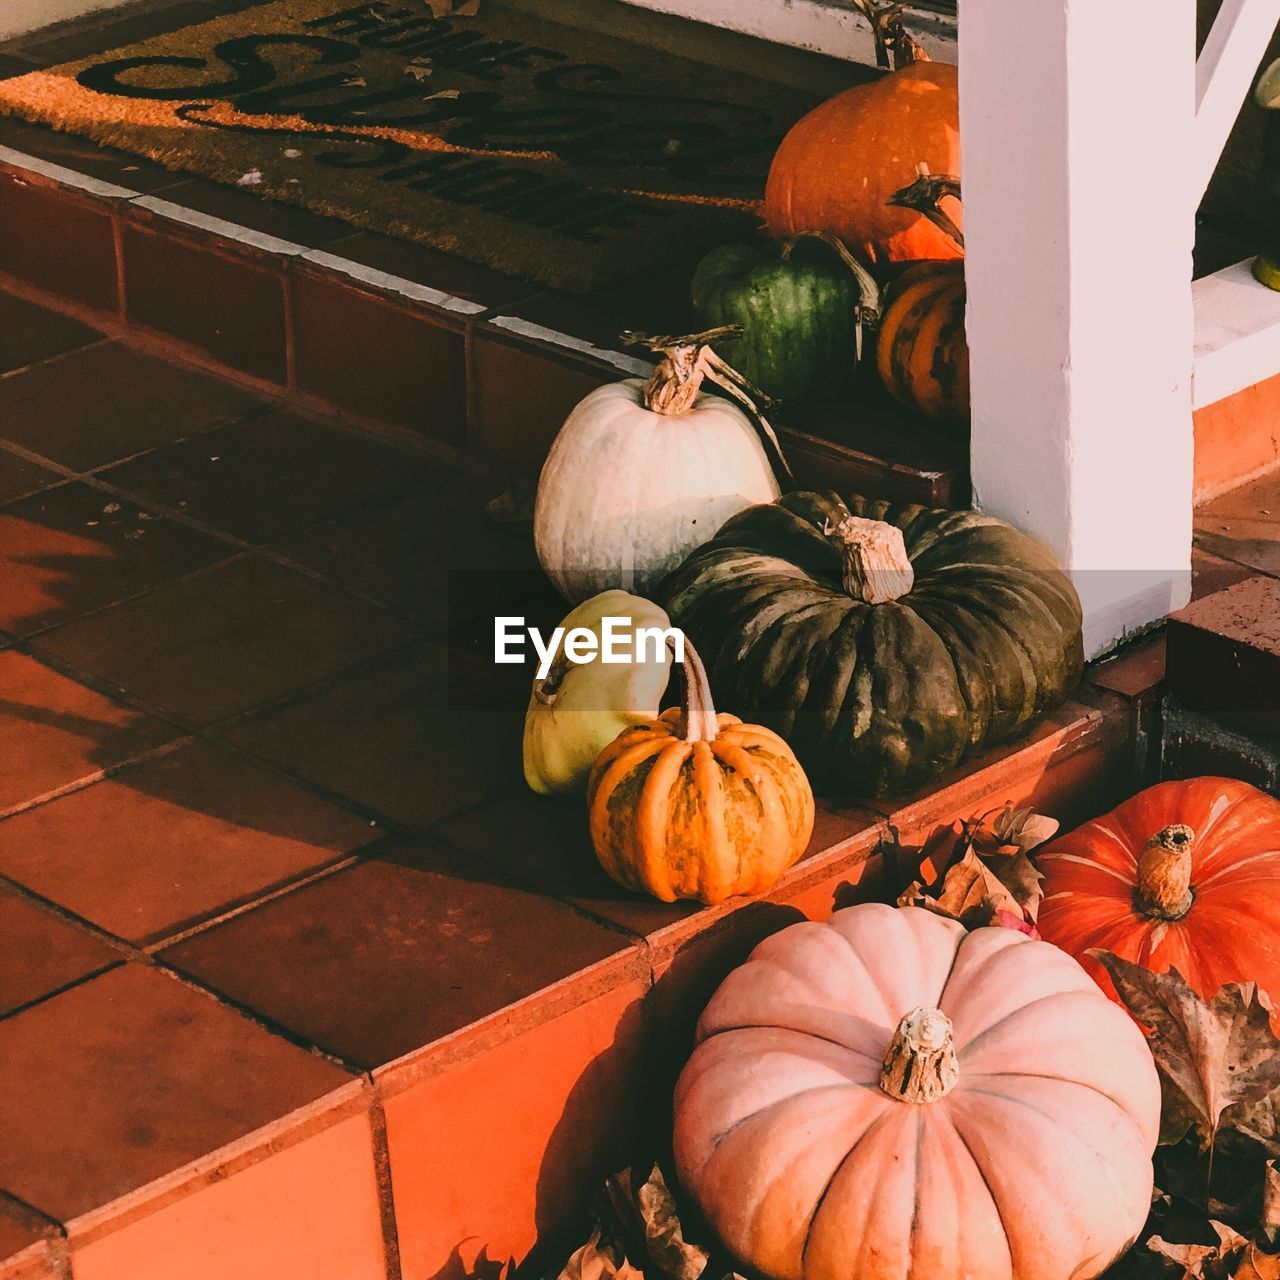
point(261, 815)
point(1242, 528)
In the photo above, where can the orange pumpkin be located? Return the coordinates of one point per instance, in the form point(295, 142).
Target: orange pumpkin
point(698, 805)
point(922, 353)
point(1185, 875)
point(839, 166)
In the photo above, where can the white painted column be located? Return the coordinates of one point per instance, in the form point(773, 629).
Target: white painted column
point(1076, 119)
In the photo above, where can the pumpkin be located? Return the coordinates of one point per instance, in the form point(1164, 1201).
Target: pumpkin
point(800, 311)
point(641, 473)
point(884, 642)
point(578, 708)
point(886, 1096)
point(1184, 875)
point(698, 805)
point(840, 166)
point(922, 353)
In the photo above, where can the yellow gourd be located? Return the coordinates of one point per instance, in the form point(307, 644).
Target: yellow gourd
point(580, 707)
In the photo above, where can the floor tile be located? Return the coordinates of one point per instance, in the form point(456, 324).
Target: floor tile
point(55, 731)
point(389, 740)
point(432, 268)
point(523, 391)
point(75, 548)
point(577, 1083)
point(29, 333)
point(95, 406)
point(24, 1251)
point(543, 841)
point(244, 209)
point(59, 242)
point(18, 477)
point(41, 953)
point(1243, 525)
point(227, 640)
point(159, 847)
point(391, 955)
point(393, 363)
point(73, 152)
point(307, 1210)
point(240, 318)
point(657, 302)
point(272, 474)
point(434, 554)
point(131, 1076)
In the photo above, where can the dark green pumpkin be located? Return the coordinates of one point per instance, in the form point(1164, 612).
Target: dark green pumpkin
point(797, 305)
point(876, 699)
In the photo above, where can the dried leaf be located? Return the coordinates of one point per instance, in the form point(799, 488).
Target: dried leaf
point(1190, 1257)
point(1257, 1265)
point(969, 892)
point(1215, 1054)
point(1024, 828)
point(599, 1260)
point(664, 1238)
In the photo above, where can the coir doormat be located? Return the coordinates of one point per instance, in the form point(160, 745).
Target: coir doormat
point(562, 156)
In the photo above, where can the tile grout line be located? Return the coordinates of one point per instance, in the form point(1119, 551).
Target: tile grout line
point(385, 1183)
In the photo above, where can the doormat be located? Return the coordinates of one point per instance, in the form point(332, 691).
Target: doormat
point(562, 156)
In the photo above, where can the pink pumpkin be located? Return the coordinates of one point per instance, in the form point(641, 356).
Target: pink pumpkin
point(889, 1097)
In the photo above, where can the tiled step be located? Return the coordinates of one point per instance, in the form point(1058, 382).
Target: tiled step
point(387, 332)
point(1224, 656)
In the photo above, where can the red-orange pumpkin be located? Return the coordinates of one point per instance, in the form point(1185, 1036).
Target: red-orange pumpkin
point(839, 165)
point(1185, 875)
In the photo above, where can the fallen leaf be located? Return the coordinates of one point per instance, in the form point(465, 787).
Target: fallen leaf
point(251, 179)
point(649, 1211)
point(1216, 1054)
point(969, 892)
point(1257, 1265)
point(597, 1260)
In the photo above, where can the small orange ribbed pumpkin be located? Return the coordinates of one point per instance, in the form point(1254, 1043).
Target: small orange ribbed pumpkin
point(1185, 875)
point(922, 353)
point(698, 805)
point(839, 166)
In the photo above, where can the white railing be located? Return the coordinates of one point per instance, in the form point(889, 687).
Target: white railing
point(1224, 76)
point(1237, 340)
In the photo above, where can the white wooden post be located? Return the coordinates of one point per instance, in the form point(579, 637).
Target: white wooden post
point(1076, 122)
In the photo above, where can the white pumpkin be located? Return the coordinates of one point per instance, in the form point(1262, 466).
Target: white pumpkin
point(629, 490)
point(889, 1097)
point(578, 708)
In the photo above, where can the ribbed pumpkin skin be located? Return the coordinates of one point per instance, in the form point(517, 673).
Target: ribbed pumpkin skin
point(798, 340)
point(877, 699)
point(837, 167)
point(1231, 932)
point(922, 353)
point(626, 493)
point(1035, 1166)
point(701, 820)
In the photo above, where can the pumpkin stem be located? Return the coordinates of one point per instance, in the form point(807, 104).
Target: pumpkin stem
point(877, 568)
point(921, 1063)
point(925, 196)
point(698, 721)
point(867, 314)
point(1164, 873)
point(676, 380)
point(890, 34)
